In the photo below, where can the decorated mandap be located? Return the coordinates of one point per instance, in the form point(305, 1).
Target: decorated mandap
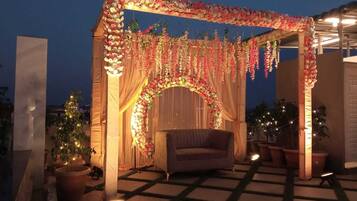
point(132, 69)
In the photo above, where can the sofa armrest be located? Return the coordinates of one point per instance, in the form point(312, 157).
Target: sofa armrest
point(230, 147)
point(164, 157)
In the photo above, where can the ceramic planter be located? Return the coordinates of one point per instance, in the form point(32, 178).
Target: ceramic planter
point(318, 162)
point(70, 182)
point(277, 156)
point(291, 158)
point(264, 152)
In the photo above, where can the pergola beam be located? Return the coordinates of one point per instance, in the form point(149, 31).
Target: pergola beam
point(220, 14)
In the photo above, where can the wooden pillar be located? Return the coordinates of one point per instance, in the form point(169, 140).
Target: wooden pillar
point(112, 138)
point(240, 140)
point(340, 33)
point(320, 49)
point(305, 118)
point(348, 53)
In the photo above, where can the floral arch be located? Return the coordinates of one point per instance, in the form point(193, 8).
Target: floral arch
point(139, 119)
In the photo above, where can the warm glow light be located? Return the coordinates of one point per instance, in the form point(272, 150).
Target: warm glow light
point(334, 40)
point(334, 21)
point(254, 157)
point(327, 174)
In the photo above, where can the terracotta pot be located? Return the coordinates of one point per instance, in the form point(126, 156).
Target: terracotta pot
point(264, 152)
point(318, 162)
point(254, 147)
point(78, 162)
point(70, 182)
point(277, 156)
point(291, 158)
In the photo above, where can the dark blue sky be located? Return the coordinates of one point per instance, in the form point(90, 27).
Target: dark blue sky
point(67, 24)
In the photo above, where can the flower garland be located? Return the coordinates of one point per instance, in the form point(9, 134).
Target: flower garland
point(139, 119)
point(310, 69)
point(219, 14)
point(113, 13)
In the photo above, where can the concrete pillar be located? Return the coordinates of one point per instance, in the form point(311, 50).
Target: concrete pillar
point(30, 102)
point(305, 118)
point(96, 129)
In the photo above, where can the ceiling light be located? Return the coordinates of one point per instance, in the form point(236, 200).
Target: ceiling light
point(334, 40)
point(334, 21)
point(349, 21)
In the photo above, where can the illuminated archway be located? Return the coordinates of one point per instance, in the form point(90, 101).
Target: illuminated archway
point(139, 119)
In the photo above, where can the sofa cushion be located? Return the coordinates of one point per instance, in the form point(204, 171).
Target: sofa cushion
point(190, 139)
point(199, 153)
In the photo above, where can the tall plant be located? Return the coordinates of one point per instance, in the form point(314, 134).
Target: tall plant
point(70, 140)
point(281, 121)
point(319, 126)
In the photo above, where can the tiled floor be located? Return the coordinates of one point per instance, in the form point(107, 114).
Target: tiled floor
point(255, 182)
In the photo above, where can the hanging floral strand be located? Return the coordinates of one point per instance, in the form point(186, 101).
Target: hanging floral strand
point(267, 59)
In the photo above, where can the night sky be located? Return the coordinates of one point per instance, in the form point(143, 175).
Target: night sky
point(67, 24)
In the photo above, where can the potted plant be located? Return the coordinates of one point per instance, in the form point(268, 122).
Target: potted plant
point(286, 119)
point(319, 129)
point(70, 145)
point(319, 132)
point(259, 125)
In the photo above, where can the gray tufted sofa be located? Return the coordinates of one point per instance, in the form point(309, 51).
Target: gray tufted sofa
point(193, 149)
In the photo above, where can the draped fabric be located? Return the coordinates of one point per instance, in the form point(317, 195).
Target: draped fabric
point(175, 108)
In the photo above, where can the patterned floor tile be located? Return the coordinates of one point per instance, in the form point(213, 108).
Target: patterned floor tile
point(352, 195)
point(94, 183)
point(224, 183)
point(145, 176)
point(183, 180)
point(146, 198)
point(166, 189)
point(93, 196)
point(209, 194)
point(349, 177)
point(312, 192)
point(255, 197)
point(231, 174)
point(269, 177)
point(272, 170)
point(348, 184)
point(265, 188)
point(242, 167)
point(312, 182)
point(126, 185)
point(122, 173)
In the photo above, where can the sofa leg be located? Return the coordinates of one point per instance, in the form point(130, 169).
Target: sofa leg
point(167, 176)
